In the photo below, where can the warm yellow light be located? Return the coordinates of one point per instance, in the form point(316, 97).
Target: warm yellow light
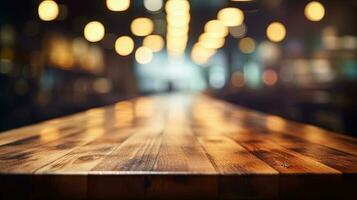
point(275, 123)
point(231, 16)
point(79, 48)
point(94, 60)
point(203, 52)
point(177, 31)
point(177, 49)
point(143, 55)
point(124, 45)
point(199, 60)
point(247, 45)
point(201, 55)
point(178, 20)
point(154, 42)
point(48, 10)
point(314, 11)
point(177, 40)
point(179, 46)
point(142, 26)
point(94, 31)
point(60, 52)
point(217, 28)
point(118, 5)
point(276, 32)
point(176, 46)
point(174, 7)
point(208, 40)
point(49, 133)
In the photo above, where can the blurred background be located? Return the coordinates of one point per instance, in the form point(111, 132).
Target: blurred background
point(295, 59)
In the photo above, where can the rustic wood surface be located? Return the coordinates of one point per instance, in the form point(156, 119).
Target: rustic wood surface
point(180, 146)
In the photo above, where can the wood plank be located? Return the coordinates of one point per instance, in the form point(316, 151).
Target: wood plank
point(244, 176)
point(280, 158)
point(322, 137)
point(308, 132)
point(137, 153)
point(176, 146)
point(84, 158)
point(342, 161)
point(236, 159)
point(54, 130)
point(62, 123)
point(24, 133)
point(285, 161)
point(292, 183)
point(179, 143)
point(29, 160)
point(28, 155)
point(43, 136)
point(164, 155)
point(119, 120)
point(339, 160)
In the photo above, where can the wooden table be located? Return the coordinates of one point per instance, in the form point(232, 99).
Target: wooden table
point(181, 146)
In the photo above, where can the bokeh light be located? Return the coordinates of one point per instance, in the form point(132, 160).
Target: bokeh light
point(118, 5)
point(60, 52)
point(270, 52)
point(238, 31)
point(273, 46)
point(177, 7)
point(124, 45)
point(247, 45)
point(153, 5)
point(143, 55)
point(177, 31)
point(212, 39)
point(178, 19)
point(154, 42)
point(94, 31)
point(314, 11)
point(200, 55)
point(231, 16)
point(209, 41)
point(270, 77)
point(102, 85)
point(142, 26)
point(48, 10)
point(217, 28)
point(276, 32)
point(176, 45)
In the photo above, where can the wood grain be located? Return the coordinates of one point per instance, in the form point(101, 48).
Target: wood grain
point(178, 146)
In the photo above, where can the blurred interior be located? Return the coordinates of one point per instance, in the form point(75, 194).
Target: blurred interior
point(295, 59)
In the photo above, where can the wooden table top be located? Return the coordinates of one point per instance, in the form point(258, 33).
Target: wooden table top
point(181, 146)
